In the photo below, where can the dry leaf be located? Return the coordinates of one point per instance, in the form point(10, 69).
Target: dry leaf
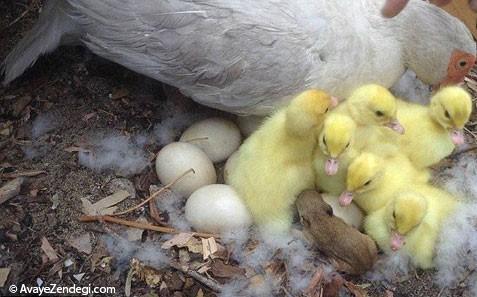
point(209, 247)
point(105, 205)
point(179, 240)
point(220, 269)
point(56, 268)
point(74, 149)
point(82, 243)
point(111, 199)
point(314, 282)
point(29, 173)
point(203, 269)
point(48, 250)
point(194, 246)
point(4, 272)
point(332, 288)
point(127, 286)
point(356, 290)
point(149, 275)
point(119, 93)
point(88, 116)
point(199, 293)
point(11, 189)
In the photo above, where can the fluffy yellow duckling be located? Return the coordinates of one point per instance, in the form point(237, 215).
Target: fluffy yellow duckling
point(372, 181)
point(274, 165)
point(334, 153)
point(432, 132)
point(411, 221)
point(373, 108)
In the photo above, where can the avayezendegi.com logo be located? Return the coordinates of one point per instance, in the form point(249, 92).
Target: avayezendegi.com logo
point(53, 289)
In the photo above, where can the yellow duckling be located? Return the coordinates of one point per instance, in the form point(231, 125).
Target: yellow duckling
point(411, 221)
point(374, 108)
point(274, 165)
point(372, 181)
point(432, 132)
point(334, 153)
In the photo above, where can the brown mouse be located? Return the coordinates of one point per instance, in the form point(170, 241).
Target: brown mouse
point(352, 251)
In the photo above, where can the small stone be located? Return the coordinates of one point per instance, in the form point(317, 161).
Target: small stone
point(68, 262)
point(79, 276)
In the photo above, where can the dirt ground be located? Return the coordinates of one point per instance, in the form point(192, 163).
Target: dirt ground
point(74, 85)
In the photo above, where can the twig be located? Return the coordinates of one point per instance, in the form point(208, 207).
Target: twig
point(315, 281)
point(286, 291)
point(154, 194)
point(29, 173)
point(213, 285)
point(470, 132)
point(139, 225)
point(23, 14)
point(464, 151)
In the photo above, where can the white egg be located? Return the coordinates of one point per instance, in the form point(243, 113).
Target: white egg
point(217, 137)
point(351, 214)
point(176, 158)
point(217, 208)
point(249, 124)
point(229, 166)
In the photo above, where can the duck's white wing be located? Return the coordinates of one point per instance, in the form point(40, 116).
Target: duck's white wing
point(228, 54)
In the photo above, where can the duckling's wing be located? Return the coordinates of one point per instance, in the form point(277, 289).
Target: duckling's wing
point(231, 55)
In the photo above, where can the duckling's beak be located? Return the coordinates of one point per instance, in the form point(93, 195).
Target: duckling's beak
point(345, 198)
point(331, 166)
point(397, 241)
point(334, 101)
point(457, 137)
point(396, 126)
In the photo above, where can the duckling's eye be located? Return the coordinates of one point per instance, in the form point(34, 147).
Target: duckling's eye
point(447, 114)
point(367, 183)
point(394, 214)
point(379, 113)
point(326, 110)
point(329, 211)
point(324, 140)
point(347, 145)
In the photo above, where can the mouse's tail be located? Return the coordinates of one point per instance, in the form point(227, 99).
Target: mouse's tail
point(54, 27)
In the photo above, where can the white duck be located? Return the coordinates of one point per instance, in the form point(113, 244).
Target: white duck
point(250, 56)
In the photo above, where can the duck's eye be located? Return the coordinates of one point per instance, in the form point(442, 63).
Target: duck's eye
point(367, 183)
point(447, 114)
point(324, 140)
point(462, 63)
point(379, 113)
